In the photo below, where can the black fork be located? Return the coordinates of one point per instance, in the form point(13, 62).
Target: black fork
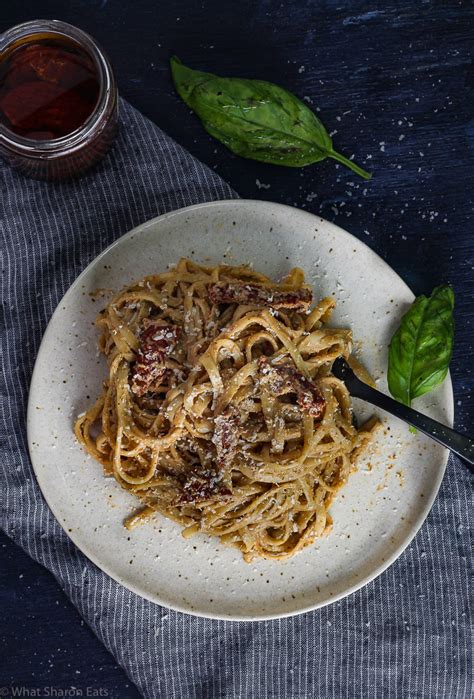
point(460, 444)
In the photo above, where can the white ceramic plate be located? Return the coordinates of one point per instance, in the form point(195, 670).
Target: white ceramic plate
point(375, 515)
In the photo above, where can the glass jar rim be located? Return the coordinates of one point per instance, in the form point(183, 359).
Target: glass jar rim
point(76, 139)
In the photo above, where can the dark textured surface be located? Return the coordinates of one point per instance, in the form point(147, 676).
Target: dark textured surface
point(394, 81)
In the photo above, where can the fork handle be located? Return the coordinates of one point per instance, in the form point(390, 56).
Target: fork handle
point(460, 444)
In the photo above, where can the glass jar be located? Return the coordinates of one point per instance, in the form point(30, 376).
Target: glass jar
point(53, 158)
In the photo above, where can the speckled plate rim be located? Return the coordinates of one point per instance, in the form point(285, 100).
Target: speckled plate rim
point(377, 570)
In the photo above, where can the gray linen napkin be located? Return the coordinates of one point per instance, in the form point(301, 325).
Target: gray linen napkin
point(404, 635)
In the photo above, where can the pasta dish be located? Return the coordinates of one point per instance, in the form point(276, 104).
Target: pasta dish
point(220, 410)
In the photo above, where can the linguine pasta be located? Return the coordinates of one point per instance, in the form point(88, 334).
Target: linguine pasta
point(220, 410)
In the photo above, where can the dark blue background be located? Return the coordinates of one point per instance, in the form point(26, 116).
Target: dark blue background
point(393, 81)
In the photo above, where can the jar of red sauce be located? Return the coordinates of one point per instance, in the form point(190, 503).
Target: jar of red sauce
point(58, 100)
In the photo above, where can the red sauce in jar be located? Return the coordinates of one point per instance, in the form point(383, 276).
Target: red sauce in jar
point(47, 90)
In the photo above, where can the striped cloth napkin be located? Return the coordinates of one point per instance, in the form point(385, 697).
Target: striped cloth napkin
point(404, 635)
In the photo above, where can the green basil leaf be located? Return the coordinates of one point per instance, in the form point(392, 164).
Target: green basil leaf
point(420, 350)
point(257, 119)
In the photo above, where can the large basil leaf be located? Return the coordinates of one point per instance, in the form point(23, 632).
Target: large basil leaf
point(421, 348)
point(257, 119)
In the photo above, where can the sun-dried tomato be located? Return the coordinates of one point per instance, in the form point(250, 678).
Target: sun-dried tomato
point(49, 64)
point(38, 106)
point(157, 341)
point(226, 436)
point(258, 295)
point(284, 378)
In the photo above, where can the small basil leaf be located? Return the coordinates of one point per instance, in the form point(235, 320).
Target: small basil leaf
point(421, 349)
point(257, 119)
